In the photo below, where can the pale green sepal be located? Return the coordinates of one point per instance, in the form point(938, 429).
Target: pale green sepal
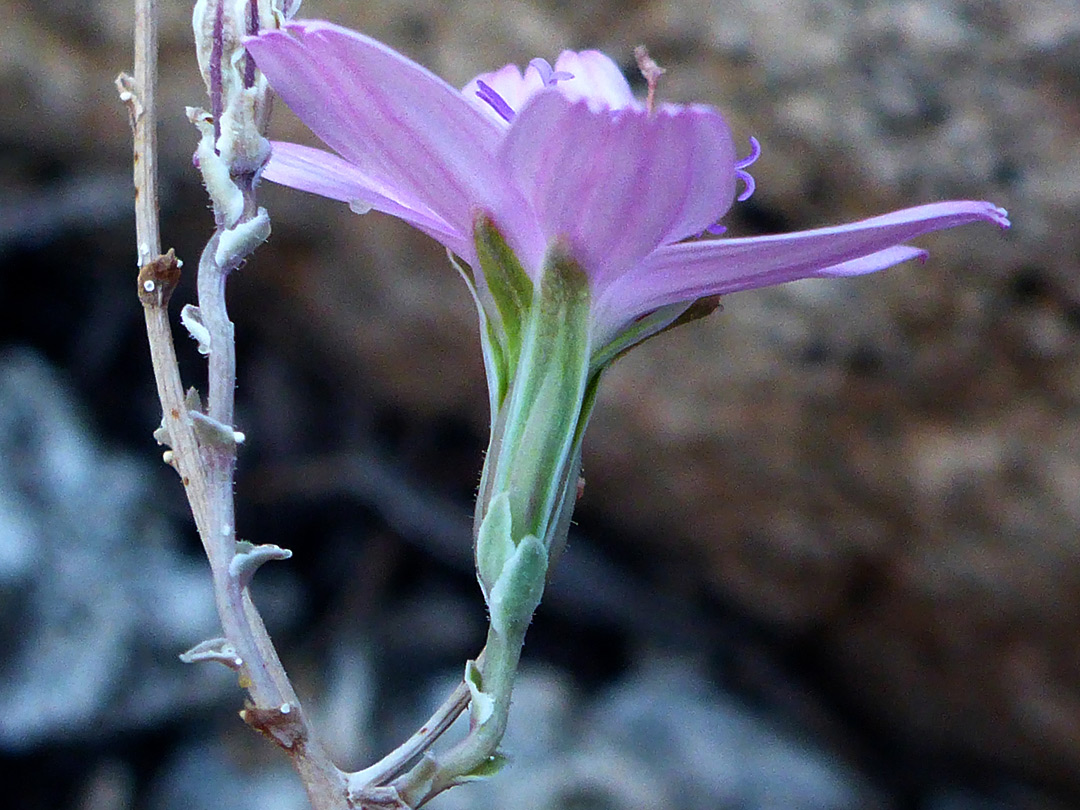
point(494, 543)
point(481, 704)
point(466, 272)
point(641, 329)
point(651, 325)
point(499, 381)
point(509, 285)
point(494, 356)
point(555, 540)
point(559, 528)
point(592, 388)
point(485, 770)
point(532, 448)
point(517, 592)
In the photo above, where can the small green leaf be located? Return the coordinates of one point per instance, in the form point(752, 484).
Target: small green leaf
point(485, 770)
point(238, 242)
point(498, 375)
point(214, 649)
point(651, 325)
point(212, 433)
point(559, 527)
point(192, 400)
point(250, 557)
point(498, 365)
point(162, 436)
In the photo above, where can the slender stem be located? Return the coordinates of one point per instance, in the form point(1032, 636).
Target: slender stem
point(144, 126)
point(158, 274)
point(222, 358)
point(396, 762)
point(265, 677)
point(206, 469)
point(429, 778)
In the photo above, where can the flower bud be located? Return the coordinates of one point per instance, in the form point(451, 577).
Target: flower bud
point(239, 94)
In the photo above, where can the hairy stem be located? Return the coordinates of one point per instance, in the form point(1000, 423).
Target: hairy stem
point(206, 469)
point(397, 761)
point(434, 774)
point(144, 125)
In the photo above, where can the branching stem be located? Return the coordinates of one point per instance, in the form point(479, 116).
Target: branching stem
point(207, 468)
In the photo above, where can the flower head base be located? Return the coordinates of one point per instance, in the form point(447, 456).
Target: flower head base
point(522, 173)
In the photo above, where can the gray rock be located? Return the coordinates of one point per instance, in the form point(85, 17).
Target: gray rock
point(205, 775)
point(97, 598)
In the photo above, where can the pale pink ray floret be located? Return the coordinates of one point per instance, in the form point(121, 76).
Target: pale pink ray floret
point(558, 155)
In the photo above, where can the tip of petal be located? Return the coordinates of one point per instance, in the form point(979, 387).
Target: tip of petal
point(874, 262)
point(998, 215)
point(990, 213)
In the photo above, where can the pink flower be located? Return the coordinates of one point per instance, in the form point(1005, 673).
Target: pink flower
point(577, 210)
point(558, 157)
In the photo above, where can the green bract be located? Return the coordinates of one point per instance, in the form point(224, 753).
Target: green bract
point(537, 344)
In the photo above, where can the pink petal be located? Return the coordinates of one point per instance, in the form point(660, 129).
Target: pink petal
point(613, 186)
point(596, 78)
point(402, 127)
point(691, 270)
point(324, 173)
point(508, 82)
point(882, 260)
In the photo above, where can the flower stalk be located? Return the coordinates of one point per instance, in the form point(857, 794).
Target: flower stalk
point(537, 338)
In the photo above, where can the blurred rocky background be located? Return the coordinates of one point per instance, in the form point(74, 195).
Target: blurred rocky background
point(828, 551)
